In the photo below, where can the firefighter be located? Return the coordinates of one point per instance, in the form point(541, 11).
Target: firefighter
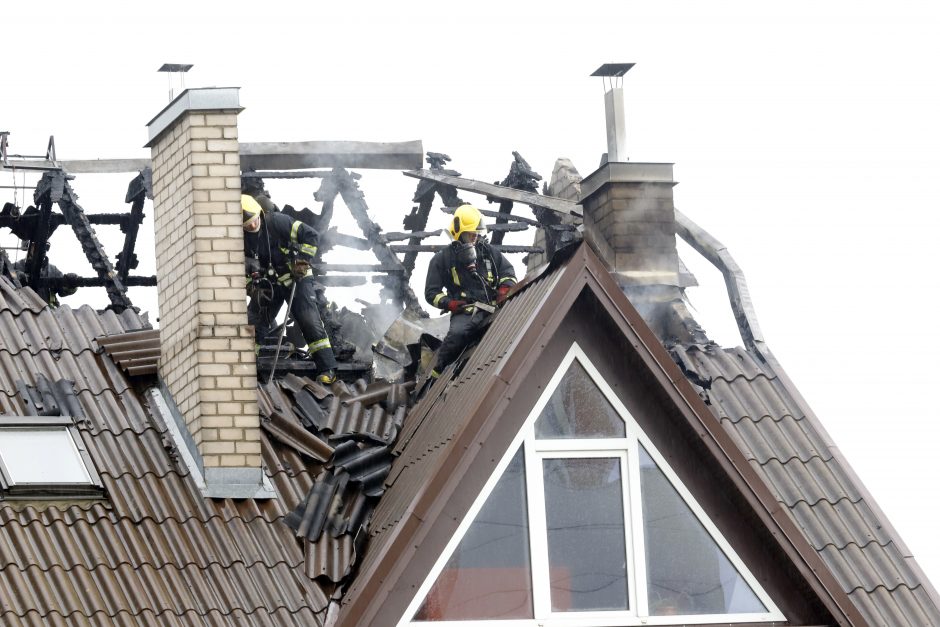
point(466, 272)
point(48, 271)
point(278, 254)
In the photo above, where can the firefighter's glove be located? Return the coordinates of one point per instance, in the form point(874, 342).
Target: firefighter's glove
point(300, 269)
point(71, 287)
point(456, 305)
point(501, 293)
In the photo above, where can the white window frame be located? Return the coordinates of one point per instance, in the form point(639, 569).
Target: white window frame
point(627, 449)
point(89, 488)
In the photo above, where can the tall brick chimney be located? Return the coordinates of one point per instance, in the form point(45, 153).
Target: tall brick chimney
point(207, 361)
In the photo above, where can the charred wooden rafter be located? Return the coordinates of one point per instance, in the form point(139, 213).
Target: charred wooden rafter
point(531, 199)
point(417, 220)
point(53, 187)
point(522, 177)
point(36, 224)
point(139, 189)
point(396, 285)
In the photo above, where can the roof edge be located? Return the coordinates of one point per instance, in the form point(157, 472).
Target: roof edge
point(764, 352)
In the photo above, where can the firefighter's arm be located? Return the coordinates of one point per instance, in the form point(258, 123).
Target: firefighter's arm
point(434, 284)
point(304, 240)
point(507, 275)
point(434, 291)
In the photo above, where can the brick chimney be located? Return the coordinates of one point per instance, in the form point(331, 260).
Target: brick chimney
point(630, 220)
point(207, 358)
point(629, 213)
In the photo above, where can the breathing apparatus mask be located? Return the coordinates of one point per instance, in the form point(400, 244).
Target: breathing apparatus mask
point(467, 255)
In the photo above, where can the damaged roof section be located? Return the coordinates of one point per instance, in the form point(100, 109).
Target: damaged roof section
point(342, 436)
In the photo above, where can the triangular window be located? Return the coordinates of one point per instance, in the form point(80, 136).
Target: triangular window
point(584, 523)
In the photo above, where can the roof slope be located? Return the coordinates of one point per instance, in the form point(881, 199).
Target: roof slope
point(467, 415)
point(787, 445)
point(431, 428)
point(154, 550)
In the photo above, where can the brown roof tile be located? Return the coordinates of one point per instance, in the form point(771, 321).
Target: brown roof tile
point(793, 454)
point(153, 550)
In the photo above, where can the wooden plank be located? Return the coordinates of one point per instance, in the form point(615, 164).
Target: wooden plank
point(286, 156)
point(331, 154)
point(531, 199)
point(104, 166)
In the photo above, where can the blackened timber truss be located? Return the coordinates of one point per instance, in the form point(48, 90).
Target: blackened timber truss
point(36, 224)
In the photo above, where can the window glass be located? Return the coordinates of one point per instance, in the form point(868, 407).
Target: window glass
point(45, 456)
point(489, 576)
point(578, 409)
point(687, 573)
point(586, 545)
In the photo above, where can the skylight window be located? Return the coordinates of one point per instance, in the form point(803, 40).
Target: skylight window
point(43, 457)
point(586, 524)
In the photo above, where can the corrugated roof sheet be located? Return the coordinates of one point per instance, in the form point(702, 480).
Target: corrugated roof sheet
point(437, 417)
point(791, 452)
point(136, 352)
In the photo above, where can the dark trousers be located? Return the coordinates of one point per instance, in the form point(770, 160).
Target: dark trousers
point(464, 330)
point(306, 314)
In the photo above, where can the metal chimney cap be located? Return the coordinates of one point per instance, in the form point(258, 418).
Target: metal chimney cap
point(613, 69)
point(175, 67)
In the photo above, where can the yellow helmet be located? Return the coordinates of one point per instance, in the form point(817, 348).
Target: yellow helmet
point(467, 219)
point(250, 209)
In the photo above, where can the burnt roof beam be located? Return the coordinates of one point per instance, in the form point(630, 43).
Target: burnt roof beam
point(336, 154)
point(355, 201)
point(137, 192)
point(53, 187)
point(285, 156)
point(522, 177)
point(558, 205)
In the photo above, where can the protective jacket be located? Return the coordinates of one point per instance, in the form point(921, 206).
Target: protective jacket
point(280, 241)
point(48, 271)
point(447, 280)
point(271, 253)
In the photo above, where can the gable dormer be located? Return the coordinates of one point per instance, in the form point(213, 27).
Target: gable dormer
point(584, 522)
point(460, 439)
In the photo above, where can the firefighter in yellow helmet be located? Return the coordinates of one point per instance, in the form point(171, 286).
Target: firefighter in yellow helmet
point(467, 271)
point(279, 251)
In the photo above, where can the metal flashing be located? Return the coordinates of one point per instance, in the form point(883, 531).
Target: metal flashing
point(165, 408)
point(627, 172)
point(200, 99)
point(237, 483)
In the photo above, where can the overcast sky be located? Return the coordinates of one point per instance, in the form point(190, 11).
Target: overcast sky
point(805, 137)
